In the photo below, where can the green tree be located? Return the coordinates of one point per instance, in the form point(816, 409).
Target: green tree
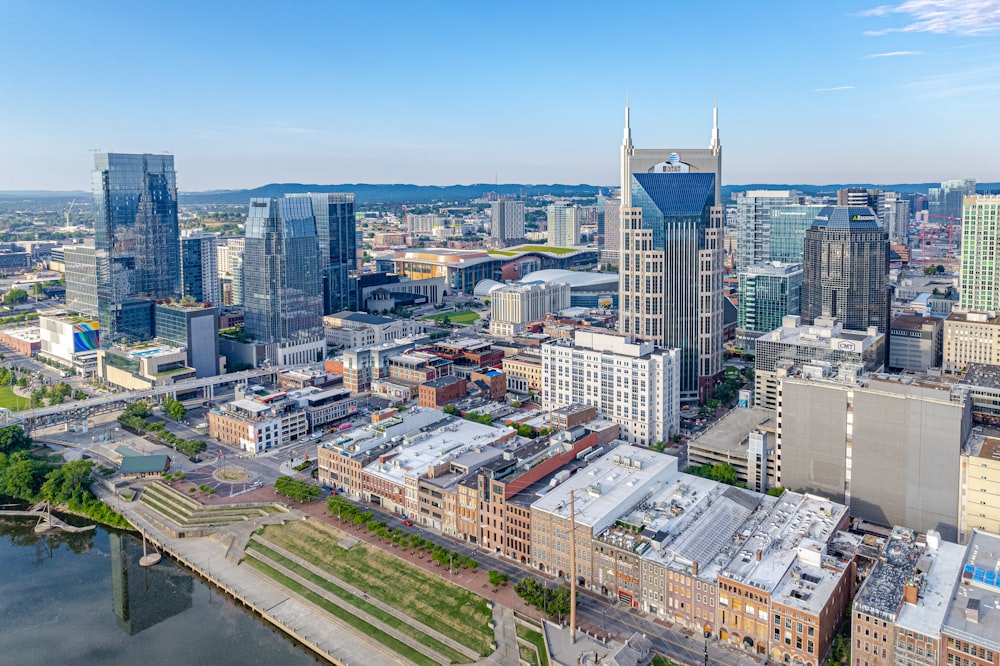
point(13, 439)
point(497, 579)
point(15, 297)
point(174, 409)
point(38, 397)
point(450, 409)
point(23, 476)
point(525, 430)
point(777, 491)
point(724, 473)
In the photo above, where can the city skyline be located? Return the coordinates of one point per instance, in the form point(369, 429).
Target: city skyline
point(808, 93)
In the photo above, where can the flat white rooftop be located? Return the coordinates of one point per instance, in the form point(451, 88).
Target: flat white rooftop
point(610, 486)
point(420, 450)
point(935, 592)
point(795, 523)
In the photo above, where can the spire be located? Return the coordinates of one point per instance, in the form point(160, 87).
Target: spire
point(627, 140)
point(716, 145)
point(626, 179)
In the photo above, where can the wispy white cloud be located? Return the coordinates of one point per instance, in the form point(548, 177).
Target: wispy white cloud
point(893, 54)
point(985, 79)
point(834, 89)
point(959, 17)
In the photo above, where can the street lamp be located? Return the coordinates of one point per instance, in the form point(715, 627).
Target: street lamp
point(708, 632)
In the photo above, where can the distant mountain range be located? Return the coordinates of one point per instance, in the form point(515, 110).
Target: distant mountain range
point(391, 194)
point(404, 193)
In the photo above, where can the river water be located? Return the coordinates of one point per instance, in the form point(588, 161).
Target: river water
point(83, 599)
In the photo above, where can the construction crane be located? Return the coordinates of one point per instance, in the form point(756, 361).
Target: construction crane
point(951, 222)
point(69, 209)
point(927, 237)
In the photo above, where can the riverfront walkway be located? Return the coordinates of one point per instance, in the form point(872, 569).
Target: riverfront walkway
point(339, 643)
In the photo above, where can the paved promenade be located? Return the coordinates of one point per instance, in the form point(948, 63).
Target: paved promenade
point(339, 643)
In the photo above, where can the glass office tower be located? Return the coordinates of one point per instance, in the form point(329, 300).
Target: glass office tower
point(136, 240)
point(282, 285)
point(767, 293)
point(846, 269)
point(788, 231)
point(199, 266)
point(335, 231)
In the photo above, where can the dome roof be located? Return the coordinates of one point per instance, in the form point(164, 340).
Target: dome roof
point(575, 279)
point(485, 288)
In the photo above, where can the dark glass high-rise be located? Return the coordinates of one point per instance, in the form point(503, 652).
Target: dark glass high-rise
point(136, 241)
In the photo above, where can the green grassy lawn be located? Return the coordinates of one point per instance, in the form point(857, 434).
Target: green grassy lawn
point(543, 248)
point(13, 402)
point(449, 609)
point(343, 614)
point(660, 660)
point(460, 317)
point(536, 639)
point(353, 600)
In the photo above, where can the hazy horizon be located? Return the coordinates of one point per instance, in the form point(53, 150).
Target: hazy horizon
point(463, 93)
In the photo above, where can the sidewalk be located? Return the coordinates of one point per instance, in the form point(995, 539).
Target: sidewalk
point(337, 642)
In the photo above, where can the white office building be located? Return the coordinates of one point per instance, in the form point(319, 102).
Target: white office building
point(634, 384)
point(512, 306)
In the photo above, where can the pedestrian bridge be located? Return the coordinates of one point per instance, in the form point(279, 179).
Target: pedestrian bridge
point(43, 417)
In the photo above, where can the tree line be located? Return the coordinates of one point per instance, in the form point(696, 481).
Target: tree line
point(33, 479)
point(135, 418)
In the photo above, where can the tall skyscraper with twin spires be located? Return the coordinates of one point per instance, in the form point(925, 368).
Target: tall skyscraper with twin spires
point(671, 255)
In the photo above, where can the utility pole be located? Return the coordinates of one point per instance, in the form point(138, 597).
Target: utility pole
point(572, 566)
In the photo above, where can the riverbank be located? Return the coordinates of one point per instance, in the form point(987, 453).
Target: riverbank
point(216, 559)
point(82, 598)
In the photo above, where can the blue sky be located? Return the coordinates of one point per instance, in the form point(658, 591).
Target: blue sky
point(248, 93)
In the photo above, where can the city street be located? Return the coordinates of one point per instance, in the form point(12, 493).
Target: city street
point(601, 616)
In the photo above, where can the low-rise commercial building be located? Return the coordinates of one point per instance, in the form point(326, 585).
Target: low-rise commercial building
point(824, 342)
point(744, 439)
point(258, 424)
point(508, 486)
point(600, 494)
point(412, 464)
point(143, 365)
point(468, 354)
point(350, 330)
point(971, 338)
point(70, 341)
point(26, 340)
point(524, 372)
point(899, 610)
point(361, 366)
point(915, 343)
point(784, 590)
point(436, 393)
point(970, 632)
point(324, 408)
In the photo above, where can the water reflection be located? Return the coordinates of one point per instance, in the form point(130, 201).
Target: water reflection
point(144, 596)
